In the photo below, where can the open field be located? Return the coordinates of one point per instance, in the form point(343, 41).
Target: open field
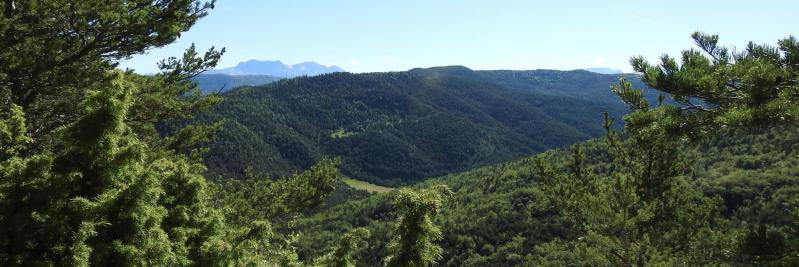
point(372, 188)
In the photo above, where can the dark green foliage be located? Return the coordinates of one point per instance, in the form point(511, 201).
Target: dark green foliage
point(719, 88)
point(578, 84)
point(85, 177)
point(341, 256)
point(98, 198)
point(280, 200)
point(414, 232)
point(51, 47)
point(102, 167)
point(254, 206)
point(639, 210)
point(395, 128)
point(647, 198)
point(500, 216)
point(755, 88)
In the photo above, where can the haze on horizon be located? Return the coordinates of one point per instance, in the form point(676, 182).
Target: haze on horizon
point(370, 36)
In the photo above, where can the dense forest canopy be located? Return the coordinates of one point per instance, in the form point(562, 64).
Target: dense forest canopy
point(399, 127)
point(85, 179)
point(500, 215)
point(105, 167)
point(702, 183)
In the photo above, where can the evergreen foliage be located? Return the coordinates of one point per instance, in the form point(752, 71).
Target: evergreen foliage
point(341, 256)
point(280, 200)
point(414, 232)
point(396, 128)
point(640, 211)
point(100, 166)
point(85, 176)
point(680, 185)
point(503, 215)
point(756, 87)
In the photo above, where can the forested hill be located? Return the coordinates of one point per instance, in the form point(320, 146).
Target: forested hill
point(581, 84)
point(210, 83)
point(398, 127)
point(500, 215)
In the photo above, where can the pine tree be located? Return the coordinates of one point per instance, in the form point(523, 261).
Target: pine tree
point(86, 178)
point(341, 255)
point(414, 232)
point(720, 89)
point(644, 211)
point(639, 210)
point(92, 201)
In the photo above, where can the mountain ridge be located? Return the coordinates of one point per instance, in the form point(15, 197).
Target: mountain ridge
point(218, 83)
point(277, 68)
point(395, 128)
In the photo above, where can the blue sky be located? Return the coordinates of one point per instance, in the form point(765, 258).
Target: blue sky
point(376, 35)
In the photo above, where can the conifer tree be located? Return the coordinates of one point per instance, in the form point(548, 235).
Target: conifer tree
point(93, 200)
point(415, 232)
point(85, 176)
point(640, 211)
point(643, 212)
point(341, 255)
point(718, 89)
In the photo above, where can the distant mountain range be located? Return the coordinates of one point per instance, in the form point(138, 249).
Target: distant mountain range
point(277, 69)
point(604, 70)
point(257, 72)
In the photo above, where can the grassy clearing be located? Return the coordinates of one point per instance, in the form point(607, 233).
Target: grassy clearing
point(341, 133)
point(372, 188)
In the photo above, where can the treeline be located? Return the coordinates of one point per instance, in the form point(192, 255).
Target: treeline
point(400, 127)
point(502, 216)
point(88, 179)
point(218, 83)
point(699, 183)
point(103, 167)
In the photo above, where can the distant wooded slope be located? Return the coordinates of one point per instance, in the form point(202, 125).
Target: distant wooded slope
point(399, 127)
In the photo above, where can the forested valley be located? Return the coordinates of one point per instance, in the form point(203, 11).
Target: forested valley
point(397, 128)
point(689, 161)
point(501, 215)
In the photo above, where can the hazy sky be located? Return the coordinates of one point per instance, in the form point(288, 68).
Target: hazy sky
point(377, 35)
